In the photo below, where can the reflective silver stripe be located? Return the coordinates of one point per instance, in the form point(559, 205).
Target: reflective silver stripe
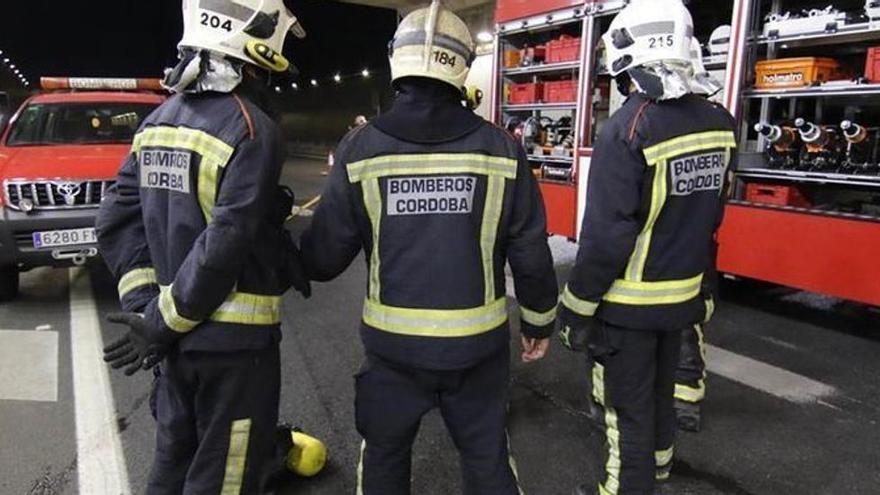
point(135, 279)
point(538, 319)
point(229, 9)
point(654, 293)
point(431, 164)
point(652, 28)
point(436, 322)
point(578, 305)
point(419, 38)
point(236, 457)
point(239, 307)
point(663, 457)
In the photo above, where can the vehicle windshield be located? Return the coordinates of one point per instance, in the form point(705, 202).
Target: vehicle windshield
point(78, 123)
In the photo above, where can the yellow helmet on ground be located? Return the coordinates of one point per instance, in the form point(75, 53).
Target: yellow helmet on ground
point(252, 31)
point(432, 42)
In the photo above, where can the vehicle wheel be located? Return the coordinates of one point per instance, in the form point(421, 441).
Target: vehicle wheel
point(8, 283)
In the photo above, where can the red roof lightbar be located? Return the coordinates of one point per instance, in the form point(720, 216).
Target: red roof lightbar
point(98, 84)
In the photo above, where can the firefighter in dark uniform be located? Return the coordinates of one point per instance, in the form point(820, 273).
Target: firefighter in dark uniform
point(656, 193)
point(193, 230)
point(440, 200)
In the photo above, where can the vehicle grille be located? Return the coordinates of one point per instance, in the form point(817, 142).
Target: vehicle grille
point(56, 195)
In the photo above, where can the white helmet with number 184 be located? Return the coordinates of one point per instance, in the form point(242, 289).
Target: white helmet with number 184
point(435, 43)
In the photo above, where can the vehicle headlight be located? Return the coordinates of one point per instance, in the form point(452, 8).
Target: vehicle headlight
point(26, 205)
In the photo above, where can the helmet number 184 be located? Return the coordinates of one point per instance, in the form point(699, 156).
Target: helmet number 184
point(444, 58)
point(216, 22)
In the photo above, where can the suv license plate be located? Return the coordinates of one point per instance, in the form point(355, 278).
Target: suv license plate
point(71, 237)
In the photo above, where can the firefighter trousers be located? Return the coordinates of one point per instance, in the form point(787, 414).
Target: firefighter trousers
point(391, 401)
point(690, 377)
point(216, 414)
point(633, 384)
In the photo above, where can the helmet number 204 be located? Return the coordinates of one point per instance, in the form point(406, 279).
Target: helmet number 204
point(444, 58)
point(216, 22)
point(661, 41)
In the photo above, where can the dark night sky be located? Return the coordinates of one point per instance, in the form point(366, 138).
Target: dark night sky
point(138, 37)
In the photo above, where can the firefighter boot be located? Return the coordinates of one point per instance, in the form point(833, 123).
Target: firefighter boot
point(307, 455)
point(688, 415)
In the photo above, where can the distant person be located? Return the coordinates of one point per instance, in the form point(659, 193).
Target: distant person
point(657, 183)
point(193, 230)
point(440, 201)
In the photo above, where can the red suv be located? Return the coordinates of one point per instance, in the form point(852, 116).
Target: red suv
point(58, 155)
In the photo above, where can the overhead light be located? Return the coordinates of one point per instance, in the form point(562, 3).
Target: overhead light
point(5, 60)
point(294, 85)
point(337, 78)
point(278, 89)
point(365, 72)
point(12, 66)
point(485, 37)
point(314, 82)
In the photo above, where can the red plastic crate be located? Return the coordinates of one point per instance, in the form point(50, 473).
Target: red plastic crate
point(565, 49)
point(770, 194)
point(523, 94)
point(560, 91)
point(872, 65)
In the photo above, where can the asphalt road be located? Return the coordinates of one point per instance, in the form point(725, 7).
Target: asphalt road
point(793, 406)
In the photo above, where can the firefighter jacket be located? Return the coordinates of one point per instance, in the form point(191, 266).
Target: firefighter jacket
point(187, 227)
point(656, 191)
point(438, 219)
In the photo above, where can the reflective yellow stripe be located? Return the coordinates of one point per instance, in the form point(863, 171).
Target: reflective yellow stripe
point(690, 394)
point(512, 462)
point(373, 203)
point(612, 434)
point(538, 319)
point(688, 144)
point(239, 307)
point(135, 279)
point(710, 309)
point(696, 394)
point(236, 457)
point(432, 164)
point(214, 152)
point(579, 306)
point(651, 293)
point(249, 309)
point(664, 457)
point(169, 312)
point(636, 267)
point(436, 322)
point(360, 470)
point(489, 233)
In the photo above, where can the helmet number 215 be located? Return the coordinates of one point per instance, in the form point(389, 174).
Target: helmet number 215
point(216, 22)
point(661, 41)
point(444, 58)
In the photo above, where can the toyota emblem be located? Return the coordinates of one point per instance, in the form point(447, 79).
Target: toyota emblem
point(69, 190)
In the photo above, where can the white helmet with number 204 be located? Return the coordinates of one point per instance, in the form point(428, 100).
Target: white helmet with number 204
point(252, 31)
point(435, 43)
point(648, 31)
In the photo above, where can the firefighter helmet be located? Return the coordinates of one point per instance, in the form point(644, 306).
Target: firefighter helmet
point(252, 31)
point(435, 43)
point(649, 31)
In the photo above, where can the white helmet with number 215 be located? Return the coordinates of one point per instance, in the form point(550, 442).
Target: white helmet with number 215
point(649, 31)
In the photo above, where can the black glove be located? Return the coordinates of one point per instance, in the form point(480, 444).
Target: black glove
point(282, 206)
point(583, 333)
point(293, 267)
point(140, 348)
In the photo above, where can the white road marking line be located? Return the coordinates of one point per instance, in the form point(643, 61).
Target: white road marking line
point(100, 462)
point(28, 365)
point(767, 378)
